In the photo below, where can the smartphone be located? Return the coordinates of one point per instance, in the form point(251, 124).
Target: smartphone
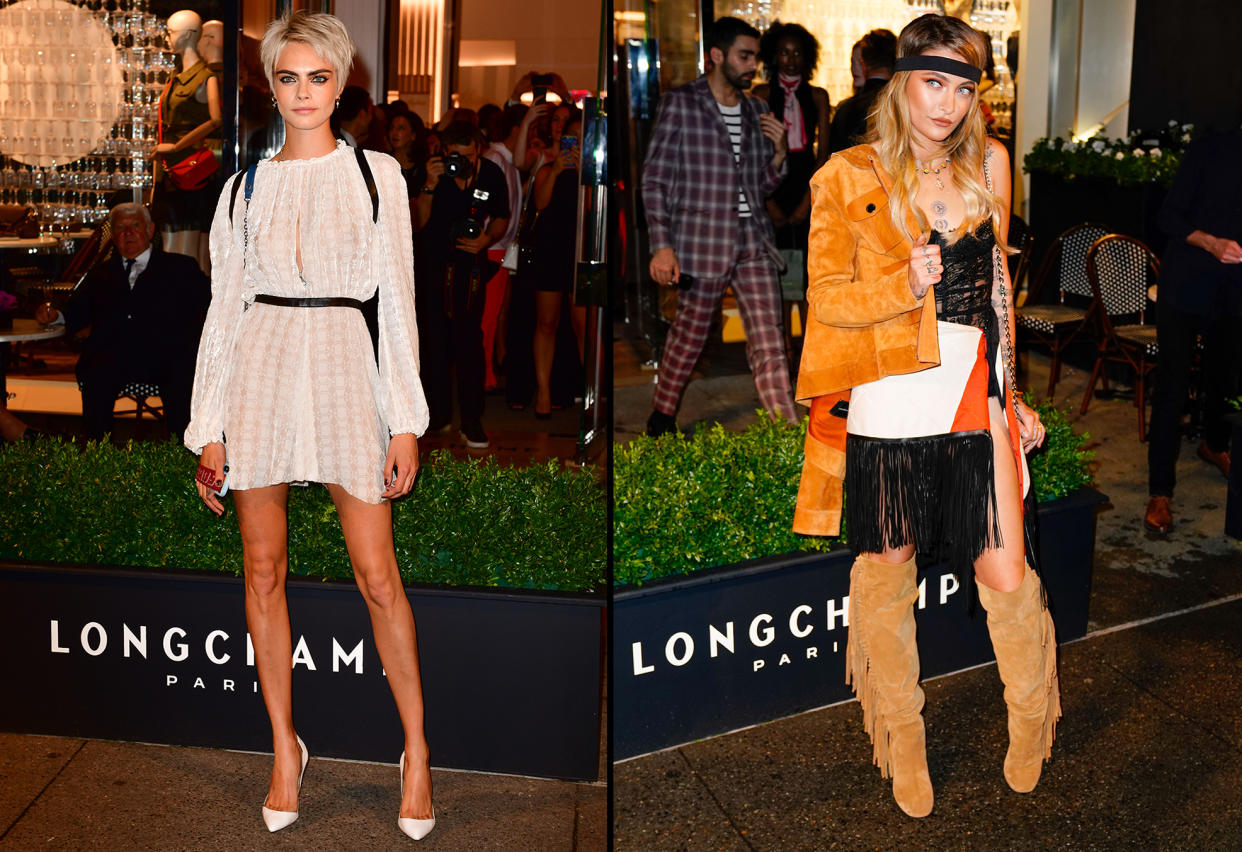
point(684, 281)
point(207, 476)
point(539, 85)
point(569, 143)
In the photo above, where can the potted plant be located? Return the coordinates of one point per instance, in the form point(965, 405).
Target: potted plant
point(723, 617)
point(121, 603)
point(1118, 182)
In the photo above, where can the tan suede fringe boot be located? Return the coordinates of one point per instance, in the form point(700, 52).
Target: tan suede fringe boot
point(1026, 657)
point(882, 663)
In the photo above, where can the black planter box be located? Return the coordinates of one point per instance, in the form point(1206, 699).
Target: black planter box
point(512, 679)
point(1233, 500)
point(740, 645)
point(1058, 204)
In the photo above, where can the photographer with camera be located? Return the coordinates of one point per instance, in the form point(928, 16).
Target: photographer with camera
point(462, 208)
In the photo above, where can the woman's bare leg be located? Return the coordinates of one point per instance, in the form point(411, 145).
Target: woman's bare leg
point(368, 536)
point(264, 532)
point(547, 320)
point(1002, 568)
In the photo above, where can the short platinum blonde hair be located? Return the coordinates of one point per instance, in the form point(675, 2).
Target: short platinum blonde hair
point(321, 32)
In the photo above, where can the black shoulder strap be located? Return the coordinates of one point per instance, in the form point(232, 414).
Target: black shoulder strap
point(370, 179)
point(362, 164)
point(237, 184)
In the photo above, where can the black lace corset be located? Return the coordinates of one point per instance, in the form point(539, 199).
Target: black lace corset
point(964, 294)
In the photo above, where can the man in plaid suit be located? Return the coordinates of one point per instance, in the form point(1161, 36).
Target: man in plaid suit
point(715, 155)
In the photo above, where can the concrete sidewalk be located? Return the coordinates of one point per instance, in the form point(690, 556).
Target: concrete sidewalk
point(1148, 756)
point(61, 793)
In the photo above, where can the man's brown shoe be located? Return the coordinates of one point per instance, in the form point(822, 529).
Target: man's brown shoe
point(1220, 461)
point(1159, 517)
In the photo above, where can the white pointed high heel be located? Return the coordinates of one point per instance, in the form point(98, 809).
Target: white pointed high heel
point(417, 829)
point(276, 820)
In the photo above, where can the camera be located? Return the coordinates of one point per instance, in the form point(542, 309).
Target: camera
point(457, 165)
point(472, 226)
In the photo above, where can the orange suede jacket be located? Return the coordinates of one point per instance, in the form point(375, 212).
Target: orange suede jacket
point(864, 322)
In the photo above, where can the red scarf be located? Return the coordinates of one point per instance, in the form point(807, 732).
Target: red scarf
point(793, 112)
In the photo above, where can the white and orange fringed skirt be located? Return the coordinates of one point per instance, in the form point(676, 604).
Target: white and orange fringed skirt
point(919, 458)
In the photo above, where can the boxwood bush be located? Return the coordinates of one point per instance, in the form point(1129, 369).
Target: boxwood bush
point(466, 522)
point(681, 504)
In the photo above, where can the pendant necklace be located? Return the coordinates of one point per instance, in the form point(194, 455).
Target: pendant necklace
point(938, 207)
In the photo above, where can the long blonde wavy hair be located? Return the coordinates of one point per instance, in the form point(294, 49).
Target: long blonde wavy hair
point(889, 131)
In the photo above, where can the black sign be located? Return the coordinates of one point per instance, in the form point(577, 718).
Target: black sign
point(511, 681)
point(740, 646)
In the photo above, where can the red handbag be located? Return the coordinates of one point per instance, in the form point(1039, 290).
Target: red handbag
point(195, 170)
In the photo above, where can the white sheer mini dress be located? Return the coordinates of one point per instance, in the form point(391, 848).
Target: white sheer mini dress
point(297, 394)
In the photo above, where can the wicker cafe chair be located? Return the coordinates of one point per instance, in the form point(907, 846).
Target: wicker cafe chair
point(1121, 269)
point(1056, 325)
point(140, 393)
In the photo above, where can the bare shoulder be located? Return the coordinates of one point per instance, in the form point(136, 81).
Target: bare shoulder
point(820, 96)
point(998, 155)
point(761, 91)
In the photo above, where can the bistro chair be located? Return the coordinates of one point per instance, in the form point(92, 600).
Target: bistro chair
point(1121, 269)
point(140, 393)
point(1056, 325)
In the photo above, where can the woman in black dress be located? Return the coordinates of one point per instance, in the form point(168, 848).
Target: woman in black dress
point(556, 199)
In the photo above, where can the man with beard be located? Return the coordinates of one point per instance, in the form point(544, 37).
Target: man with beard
point(715, 155)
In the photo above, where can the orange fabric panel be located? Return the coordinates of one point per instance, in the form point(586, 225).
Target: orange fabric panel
point(972, 410)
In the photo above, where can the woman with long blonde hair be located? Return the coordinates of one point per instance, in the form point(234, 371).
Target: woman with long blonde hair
point(908, 370)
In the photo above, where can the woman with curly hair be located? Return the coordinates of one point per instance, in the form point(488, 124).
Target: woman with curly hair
point(909, 370)
point(790, 54)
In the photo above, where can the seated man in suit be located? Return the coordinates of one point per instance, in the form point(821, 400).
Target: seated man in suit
point(142, 312)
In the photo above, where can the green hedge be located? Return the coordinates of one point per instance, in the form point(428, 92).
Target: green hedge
point(718, 497)
point(466, 522)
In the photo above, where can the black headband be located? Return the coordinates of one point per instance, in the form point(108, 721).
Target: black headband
point(924, 62)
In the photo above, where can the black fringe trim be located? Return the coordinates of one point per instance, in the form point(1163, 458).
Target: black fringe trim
point(937, 493)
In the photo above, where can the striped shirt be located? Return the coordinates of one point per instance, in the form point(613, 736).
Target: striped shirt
point(732, 116)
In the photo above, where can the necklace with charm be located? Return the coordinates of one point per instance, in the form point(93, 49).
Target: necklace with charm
point(938, 207)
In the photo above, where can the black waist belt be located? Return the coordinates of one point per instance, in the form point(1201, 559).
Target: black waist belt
point(318, 302)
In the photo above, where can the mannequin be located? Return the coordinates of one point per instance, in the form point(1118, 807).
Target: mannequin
point(211, 45)
point(192, 115)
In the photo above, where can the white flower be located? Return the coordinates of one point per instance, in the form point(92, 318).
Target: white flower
point(1156, 152)
point(1121, 155)
point(1072, 146)
point(1172, 123)
point(1185, 137)
point(1186, 128)
point(1097, 145)
point(1138, 152)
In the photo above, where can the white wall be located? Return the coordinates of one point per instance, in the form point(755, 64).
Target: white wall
point(1104, 66)
point(1034, 81)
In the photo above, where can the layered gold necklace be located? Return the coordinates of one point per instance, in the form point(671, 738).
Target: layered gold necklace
point(938, 207)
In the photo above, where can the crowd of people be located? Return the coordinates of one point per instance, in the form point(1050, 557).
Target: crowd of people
point(492, 198)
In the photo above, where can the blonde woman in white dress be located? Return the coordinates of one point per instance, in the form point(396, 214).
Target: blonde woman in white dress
point(295, 385)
